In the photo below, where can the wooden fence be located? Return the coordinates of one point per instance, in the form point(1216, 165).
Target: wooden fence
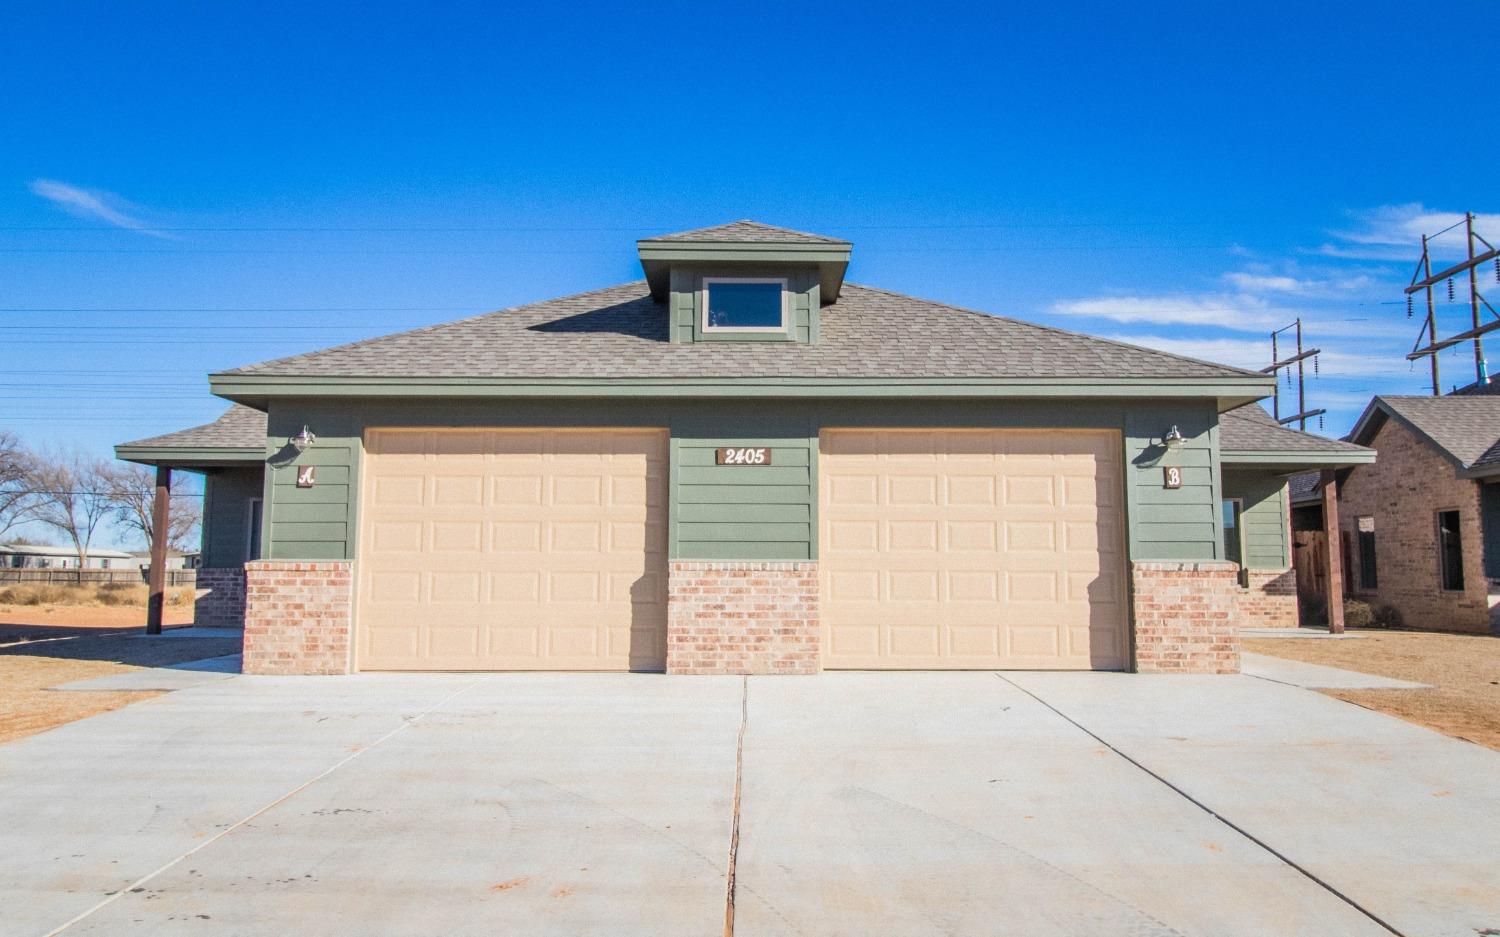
point(63, 577)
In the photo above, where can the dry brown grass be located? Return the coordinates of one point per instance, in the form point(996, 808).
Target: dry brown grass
point(27, 706)
point(107, 594)
point(1463, 669)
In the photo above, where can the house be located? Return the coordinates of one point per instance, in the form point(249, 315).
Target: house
point(29, 556)
point(1420, 528)
point(743, 464)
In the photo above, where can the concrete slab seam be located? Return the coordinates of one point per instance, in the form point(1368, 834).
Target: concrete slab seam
point(406, 723)
point(1307, 873)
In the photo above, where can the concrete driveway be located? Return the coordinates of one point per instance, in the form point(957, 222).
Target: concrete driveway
point(904, 804)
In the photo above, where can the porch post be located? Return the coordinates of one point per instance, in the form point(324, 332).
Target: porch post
point(1335, 546)
point(157, 582)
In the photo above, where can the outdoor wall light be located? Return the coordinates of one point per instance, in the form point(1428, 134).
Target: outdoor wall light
point(1173, 440)
point(303, 440)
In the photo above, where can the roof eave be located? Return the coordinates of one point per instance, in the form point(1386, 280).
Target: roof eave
point(256, 390)
point(192, 458)
point(1292, 461)
point(657, 258)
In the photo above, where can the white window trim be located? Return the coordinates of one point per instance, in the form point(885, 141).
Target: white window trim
point(720, 329)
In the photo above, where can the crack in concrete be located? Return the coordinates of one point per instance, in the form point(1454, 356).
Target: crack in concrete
point(734, 829)
point(1287, 860)
point(139, 884)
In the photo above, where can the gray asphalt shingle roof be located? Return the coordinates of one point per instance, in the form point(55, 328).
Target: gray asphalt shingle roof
point(239, 428)
point(1250, 428)
point(749, 232)
point(620, 332)
point(1467, 427)
point(1306, 486)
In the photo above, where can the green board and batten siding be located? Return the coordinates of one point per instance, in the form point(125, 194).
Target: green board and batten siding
point(1265, 527)
point(747, 512)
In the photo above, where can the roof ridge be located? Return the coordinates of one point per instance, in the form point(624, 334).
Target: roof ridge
point(1055, 330)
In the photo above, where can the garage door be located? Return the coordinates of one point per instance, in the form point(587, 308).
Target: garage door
point(972, 549)
point(513, 550)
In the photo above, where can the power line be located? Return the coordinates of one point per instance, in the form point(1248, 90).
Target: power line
point(541, 229)
point(40, 309)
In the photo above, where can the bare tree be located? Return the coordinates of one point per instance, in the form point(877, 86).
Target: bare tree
point(17, 492)
point(133, 491)
point(73, 496)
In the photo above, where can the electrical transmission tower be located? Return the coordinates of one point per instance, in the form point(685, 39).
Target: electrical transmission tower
point(1298, 360)
point(1423, 280)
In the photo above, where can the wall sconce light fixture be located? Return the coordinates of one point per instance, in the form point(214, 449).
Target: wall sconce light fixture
point(1173, 440)
point(303, 440)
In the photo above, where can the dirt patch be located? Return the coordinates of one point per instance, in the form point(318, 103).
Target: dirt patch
point(28, 622)
point(1463, 669)
point(27, 669)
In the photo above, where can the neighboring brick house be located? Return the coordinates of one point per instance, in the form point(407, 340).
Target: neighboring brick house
point(1420, 528)
point(744, 464)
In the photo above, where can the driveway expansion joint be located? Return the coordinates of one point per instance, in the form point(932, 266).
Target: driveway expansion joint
point(1286, 860)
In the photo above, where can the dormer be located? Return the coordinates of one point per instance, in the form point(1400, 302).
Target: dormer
point(744, 281)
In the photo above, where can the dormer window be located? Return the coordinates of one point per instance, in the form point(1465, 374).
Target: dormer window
point(744, 304)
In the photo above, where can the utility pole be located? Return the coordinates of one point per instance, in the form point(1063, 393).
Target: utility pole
point(1424, 280)
point(1300, 360)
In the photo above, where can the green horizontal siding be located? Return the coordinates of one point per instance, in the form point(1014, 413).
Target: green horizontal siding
point(226, 514)
point(1263, 518)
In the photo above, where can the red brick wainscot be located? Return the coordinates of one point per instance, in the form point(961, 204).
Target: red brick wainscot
point(221, 597)
point(750, 617)
point(1186, 617)
point(297, 617)
point(1270, 601)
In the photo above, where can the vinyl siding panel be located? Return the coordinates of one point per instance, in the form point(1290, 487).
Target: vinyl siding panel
point(226, 514)
point(1264, 517)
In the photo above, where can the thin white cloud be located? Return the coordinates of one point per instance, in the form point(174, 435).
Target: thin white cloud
point(1258, 283)
point(1234, 312)
point(1256, 354)
point(1394, 232)
point(92, 204)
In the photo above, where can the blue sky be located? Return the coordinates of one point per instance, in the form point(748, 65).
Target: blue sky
point(227, 183)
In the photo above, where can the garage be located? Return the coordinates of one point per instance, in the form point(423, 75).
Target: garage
point(507, 549)
point(972, 549)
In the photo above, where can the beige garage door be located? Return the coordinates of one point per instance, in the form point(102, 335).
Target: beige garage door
point(972, 549)
point(513, 550)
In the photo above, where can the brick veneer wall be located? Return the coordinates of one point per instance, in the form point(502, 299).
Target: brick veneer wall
point(1271, 599)
point(1403, 491)
point(221, 598)
point(1186, 617)
point(297, 617)
point(732, 617)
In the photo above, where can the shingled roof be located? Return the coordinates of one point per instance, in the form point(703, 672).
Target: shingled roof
point(239, 428)
point(1251, 429)
point(620, 332)
point(1465, 428)
point(749, 232)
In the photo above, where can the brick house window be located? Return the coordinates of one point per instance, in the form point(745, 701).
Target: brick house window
point(1450, 551)
point(1368, 580)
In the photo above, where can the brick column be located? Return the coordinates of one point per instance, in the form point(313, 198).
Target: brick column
point(732, 617)
point(1185, 617)
point(221, 598)
point(1271, 599)
point(297, 617)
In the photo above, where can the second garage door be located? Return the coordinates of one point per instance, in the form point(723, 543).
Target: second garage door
point(972, 549)
point(513, 550)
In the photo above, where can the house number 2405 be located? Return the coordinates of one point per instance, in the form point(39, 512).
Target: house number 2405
point(743, 455)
